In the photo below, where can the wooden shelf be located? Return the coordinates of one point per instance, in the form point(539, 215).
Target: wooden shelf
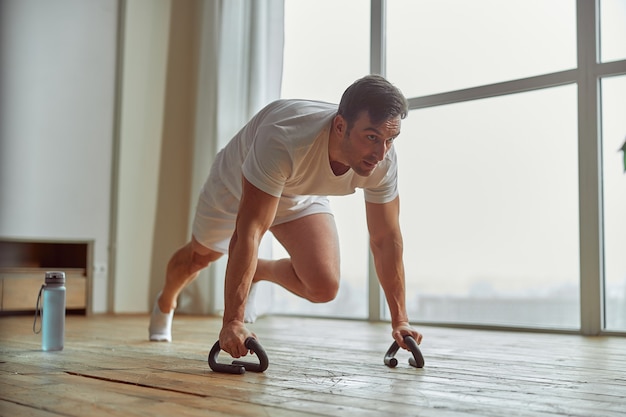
point(23, 265)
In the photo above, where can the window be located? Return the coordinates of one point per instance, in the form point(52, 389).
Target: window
point(490, 210)
point(614, 187)
point(612, 30)
point(497, 158)
point(322, 57)
point(323, 54)
point(444, 45)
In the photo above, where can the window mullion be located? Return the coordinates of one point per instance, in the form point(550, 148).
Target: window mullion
point(590, 191)
point(376, 302)
point(377, 37)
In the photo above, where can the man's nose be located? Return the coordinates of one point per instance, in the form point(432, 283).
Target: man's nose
point(380, 150)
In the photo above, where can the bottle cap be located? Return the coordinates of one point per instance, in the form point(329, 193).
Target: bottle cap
point(55, 277)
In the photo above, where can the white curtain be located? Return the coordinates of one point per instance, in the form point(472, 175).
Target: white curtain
point(240, 71)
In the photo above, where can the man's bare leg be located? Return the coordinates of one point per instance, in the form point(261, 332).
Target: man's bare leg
point(313, 270)
point(182, 268)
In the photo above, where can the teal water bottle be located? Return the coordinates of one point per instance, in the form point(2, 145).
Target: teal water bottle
point(53, 311)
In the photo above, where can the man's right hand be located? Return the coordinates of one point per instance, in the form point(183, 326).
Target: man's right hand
point(233, 337)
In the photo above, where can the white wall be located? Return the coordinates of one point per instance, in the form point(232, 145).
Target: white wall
point(57, 88)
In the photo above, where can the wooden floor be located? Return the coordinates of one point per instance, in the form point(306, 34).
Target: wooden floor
point(317, 368)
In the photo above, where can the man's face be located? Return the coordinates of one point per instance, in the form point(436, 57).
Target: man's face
point(366, 144)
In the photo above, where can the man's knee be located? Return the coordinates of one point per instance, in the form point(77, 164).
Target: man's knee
point(198, 262)
point(201, 260)
point(195, 257)
point(326, 290)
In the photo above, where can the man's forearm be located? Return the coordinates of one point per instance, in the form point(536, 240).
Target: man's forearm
point(390, 271)
point(240, 269)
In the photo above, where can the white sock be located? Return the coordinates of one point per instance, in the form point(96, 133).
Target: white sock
point(250, 314)
point(160, 324)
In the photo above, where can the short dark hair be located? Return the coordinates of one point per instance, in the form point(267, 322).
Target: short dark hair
point(374, 94)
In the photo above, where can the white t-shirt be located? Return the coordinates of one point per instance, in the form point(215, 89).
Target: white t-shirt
point(283, 151)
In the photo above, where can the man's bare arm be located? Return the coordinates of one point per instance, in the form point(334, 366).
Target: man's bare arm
point(387, 247)
point(256, 214)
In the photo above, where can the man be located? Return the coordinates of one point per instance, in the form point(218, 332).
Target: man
point(275, 175)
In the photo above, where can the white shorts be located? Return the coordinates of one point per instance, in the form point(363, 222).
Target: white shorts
point(216, 212)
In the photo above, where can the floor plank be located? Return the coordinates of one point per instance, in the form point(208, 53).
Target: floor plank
point(317, 368)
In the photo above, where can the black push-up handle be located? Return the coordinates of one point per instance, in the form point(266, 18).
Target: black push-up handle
point(417, 360)
point(240, 367)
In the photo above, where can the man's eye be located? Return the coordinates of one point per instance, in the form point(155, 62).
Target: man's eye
point(372, 138)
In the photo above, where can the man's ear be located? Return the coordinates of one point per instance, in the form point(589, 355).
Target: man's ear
point(340, 125)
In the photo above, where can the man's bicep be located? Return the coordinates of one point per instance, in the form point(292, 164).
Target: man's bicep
point(383, 218)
